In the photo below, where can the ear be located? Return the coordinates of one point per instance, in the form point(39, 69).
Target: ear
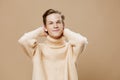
point(44, 27)
point(63, 24)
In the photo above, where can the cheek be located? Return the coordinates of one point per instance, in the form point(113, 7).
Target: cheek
point(62, 28)
point(49, 30)
point(48, 27)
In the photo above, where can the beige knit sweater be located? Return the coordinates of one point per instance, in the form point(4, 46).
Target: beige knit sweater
point(54, 59)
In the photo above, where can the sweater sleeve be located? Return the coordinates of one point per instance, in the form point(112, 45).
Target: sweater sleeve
point(29, 40)
point(77, 41)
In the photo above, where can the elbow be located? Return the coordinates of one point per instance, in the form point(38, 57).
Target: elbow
point(26, 41)
point(22, 40)
point(83, 44)
point(80, 40)
point(83, 41)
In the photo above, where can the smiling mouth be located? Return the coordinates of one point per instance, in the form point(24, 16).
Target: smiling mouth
point(56, 30)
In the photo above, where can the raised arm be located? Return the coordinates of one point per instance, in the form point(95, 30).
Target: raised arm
point(77, 41)
point(29, 40)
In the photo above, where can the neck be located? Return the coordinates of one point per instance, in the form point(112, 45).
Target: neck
point(55, 43)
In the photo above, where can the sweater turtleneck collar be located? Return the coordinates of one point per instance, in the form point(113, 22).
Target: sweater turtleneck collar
point(55, 43)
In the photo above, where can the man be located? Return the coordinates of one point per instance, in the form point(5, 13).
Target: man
point(56, 57)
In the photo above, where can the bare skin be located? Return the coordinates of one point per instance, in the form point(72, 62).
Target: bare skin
point(54, 26)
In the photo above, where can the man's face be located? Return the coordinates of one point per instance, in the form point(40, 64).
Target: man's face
point(54, 25)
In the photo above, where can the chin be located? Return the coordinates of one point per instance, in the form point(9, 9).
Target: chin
point(57, 36)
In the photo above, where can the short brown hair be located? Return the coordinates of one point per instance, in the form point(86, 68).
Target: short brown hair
point(51, 11)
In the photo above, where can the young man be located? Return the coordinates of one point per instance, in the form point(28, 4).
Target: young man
point(56, 57)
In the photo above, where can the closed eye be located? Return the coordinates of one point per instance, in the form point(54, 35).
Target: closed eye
point(59, 22)
point(50, 23)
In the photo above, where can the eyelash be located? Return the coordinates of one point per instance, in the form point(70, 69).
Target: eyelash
point(50, 23)
point(57, 22)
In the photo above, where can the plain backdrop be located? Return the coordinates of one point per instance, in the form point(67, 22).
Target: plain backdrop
point(98, 20)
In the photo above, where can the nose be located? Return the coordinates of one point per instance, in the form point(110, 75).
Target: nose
point(55, 25)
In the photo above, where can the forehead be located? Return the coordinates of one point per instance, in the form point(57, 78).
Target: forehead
point(53, 17)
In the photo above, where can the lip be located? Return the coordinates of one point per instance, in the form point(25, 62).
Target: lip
point(56, 30)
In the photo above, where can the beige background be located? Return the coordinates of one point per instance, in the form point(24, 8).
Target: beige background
point(98, 20)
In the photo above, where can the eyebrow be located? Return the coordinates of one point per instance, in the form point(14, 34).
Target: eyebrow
point(50, 21)
point(57, 20)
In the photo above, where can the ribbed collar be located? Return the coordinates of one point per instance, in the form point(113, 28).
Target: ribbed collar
point(55, 43)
